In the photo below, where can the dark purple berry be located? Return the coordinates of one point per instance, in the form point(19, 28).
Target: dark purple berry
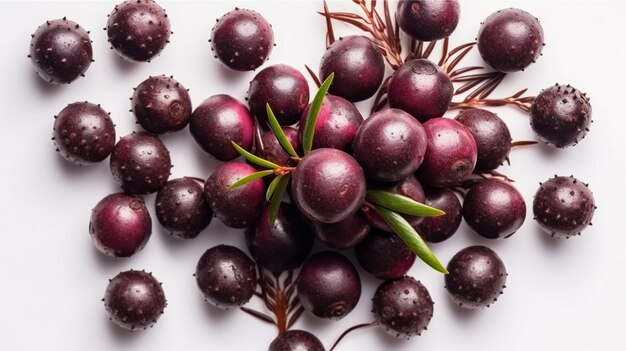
point(284, 88)
point(328, 285)
point(270, 149)
point(239, 207)
point(384, 255)
point(440, 228)
point(420, 88)
point(402, 307)
point(60, 51)
point(358, 66)
point(296, 340)
point(120, 225)
point(140, 163)
point(242, 39)
point(328, 185)
point(161, 105)
point(134, 300)
point(390, 145)
point(138, 30)
point(83, 133)
point(428, 20)
point(283, 246)
point(476, 277)
point(226, 276)
point(492, 137)
point(219, 120)
point(451, 153)
point(509, 40)
point(563, 206)
point(344, 234)
point(181, 208)
point(560, 115)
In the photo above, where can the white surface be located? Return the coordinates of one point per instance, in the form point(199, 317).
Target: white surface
point(565, 295)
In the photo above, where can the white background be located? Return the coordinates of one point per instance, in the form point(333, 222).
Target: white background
point(561, 294)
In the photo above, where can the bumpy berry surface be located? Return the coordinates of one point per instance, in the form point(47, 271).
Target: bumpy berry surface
point(161, 105)
point(344, 234)
point(440, 228)
point(428, 20)
point(384, 255)
point(296, 340)
point(181, 208)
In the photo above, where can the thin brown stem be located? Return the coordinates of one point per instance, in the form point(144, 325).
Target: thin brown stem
point(381, 97)
point(313, 76)
point(444, 52)
point(347, 331)
point(522, 143)
point(330, 33)
point(258, 315)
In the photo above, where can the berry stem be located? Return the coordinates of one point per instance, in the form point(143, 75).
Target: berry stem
point(522, 103)
point(349, 330)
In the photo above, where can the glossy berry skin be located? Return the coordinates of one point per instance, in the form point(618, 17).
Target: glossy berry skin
point(420, 88)
point(358, 66)
point(140, 163)
point(134, 300)
point(274, 152)
point(344, 234)
point(560, 115)
point(337, 124)
point(226, 276)
point(120, 225)
point(161, 105)
point(219, 120)
point(138, 30)
point(428, 20)
point(328, 285)
point(451, 153)
point(476, 277)
point(283, 246)
point(563, 206)
point(492, 137)
point(239, 207)
point(390, 145)
point(60, 51)
point(494, 209)
point(384, 255)
point(83, 133)
point(181, 208)
point(510, 40)
point(296, 340)
point(440, 228)
point(402, 307)
point(242, 40)
point(328, 185)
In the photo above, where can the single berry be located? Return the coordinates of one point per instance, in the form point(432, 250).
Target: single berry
point(440, 228)
point(384, 255)
point(270, 149)
point(344, 234)
point(181, 208)
point(161, 105)
point(296, 340)
point(428, 20)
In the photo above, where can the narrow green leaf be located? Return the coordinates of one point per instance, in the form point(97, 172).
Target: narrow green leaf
point(311, 119)
point(253, 158)
point(247, 179)
point(402, 204)
point(277, 198)
point(272, 187)
point(411, 238)
point(278, 132)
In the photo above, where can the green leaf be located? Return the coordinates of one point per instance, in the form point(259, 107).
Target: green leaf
point(402, 204)
point(278, 132)
point(411, 238)
point(272, 187)
point(277, 198)
point(253, 158)
point(311, 119)
point(247, 179)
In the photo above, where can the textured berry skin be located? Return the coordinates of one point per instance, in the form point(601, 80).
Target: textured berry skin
point(384, 255)
point(284, 88)
point(181, 208)
point(510, 40)
point(328, 285)
point(344, 234)
point(428, 20)
point(274, 152)
point(492, 137)
point(134, 300)
point(476, 277)
point(358, 66)
point(494, 208)
point(161, 105)
point(242, 40)
point(120, 225)
point(219, 120)
point(440, 228)
point(328, 185)
point(60, 51)
point(296, 340)
point(563, 206)
point(239, 207)
point(138, 30)
point(403, 307)
point(226, 276)
point(83, 133)
point(560, 115)
point(420, 88)
point(390, 145)
point(140, 163)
